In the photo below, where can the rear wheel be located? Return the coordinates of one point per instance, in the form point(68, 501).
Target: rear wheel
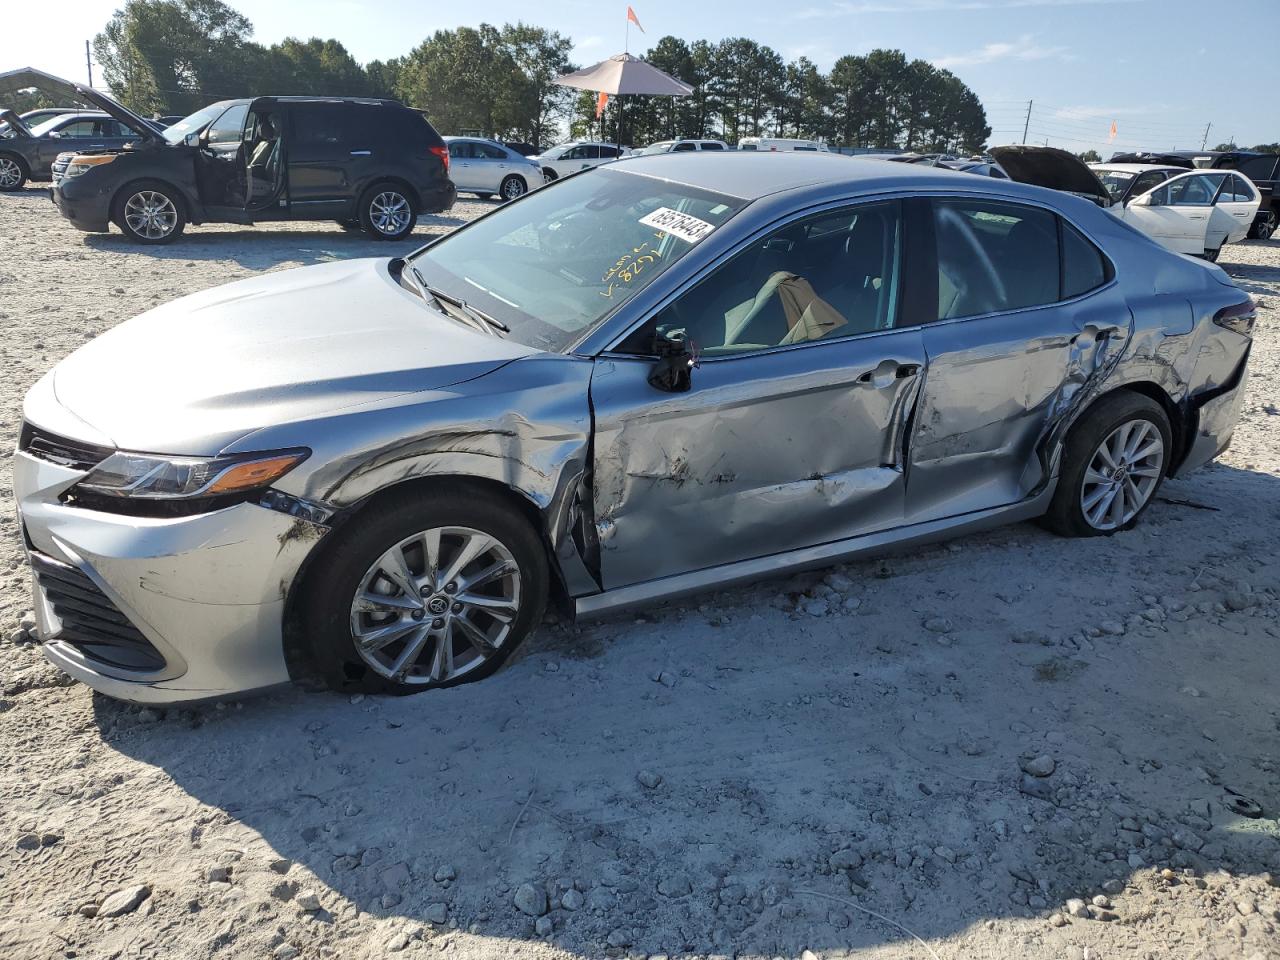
point(484, 196)
point(1114, 462)
point(1264, 228)
point(513, 187)
point(386, 212)
point(425, 592)
point(150, 212)
point(13, 173)
point(1212, 255)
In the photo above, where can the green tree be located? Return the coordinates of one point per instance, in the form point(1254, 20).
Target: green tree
point(1090, 156)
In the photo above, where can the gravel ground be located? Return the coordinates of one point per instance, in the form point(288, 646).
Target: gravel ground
point(1012, 745)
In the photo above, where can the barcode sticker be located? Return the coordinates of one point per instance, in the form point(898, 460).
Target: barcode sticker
point(677, 224)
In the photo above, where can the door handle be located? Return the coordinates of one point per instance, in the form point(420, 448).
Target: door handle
point(886, 372)
point(361, 153)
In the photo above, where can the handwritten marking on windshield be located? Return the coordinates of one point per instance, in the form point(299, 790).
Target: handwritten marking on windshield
point(629, 266)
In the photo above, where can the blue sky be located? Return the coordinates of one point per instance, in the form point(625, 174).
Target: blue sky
point(1161, 69)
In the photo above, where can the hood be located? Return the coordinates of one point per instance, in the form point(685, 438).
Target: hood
point(15, 123)
point(197, 374)
point(11, 81)
point(1052, 168)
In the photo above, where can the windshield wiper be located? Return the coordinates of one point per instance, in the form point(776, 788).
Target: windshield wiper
point(478, 317)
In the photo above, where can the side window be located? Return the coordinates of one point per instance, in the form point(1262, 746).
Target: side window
point(1083, 266)
point(1146, 181)
point(683, 147)
point(592, 153)
point(831, 275)
point(577, 153)
point(1258, 168)
point(79, 130)
point(317, 128)
point(489, 152)
point(608, 153)
point(1236, 189)
point(994, 256)
point(459, 150)
point(709, 145)
point(1197, 191)
point(229, 127)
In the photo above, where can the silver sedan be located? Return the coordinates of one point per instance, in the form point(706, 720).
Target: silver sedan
point(646, 380)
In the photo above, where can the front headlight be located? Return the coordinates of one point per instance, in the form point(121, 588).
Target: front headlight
point(141, 476)
point(81, 164)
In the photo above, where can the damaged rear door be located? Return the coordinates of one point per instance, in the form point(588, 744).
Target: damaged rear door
point(791, 431)
point(1027, 320)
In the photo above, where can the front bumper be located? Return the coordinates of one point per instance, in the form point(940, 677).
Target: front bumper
point(207, 593)
point(86, 208)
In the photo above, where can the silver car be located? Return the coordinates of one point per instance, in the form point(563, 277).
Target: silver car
point(646, 380)
point(486, 167)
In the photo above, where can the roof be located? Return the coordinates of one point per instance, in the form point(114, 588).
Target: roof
point(752, 175)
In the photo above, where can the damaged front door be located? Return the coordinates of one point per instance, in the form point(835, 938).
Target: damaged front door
point(1026, 320)
point(791, 430)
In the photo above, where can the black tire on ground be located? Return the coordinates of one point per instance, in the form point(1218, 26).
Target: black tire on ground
point(513, 187)
point(1066, 515)
point(548, 174)
point(355, 547)
point(1212, 255)
point(386, 212)
point(1263, 229)
point(149, 211)
point(484, 196)
point(13, 172)
point(353, 225)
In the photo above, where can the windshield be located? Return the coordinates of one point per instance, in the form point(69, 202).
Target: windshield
point(197, 121)
point(565, 257)
point(1116, 181)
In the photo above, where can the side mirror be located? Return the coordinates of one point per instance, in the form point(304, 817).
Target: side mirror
point(55, 134)
point(192, 139)
point(673, 373)
point(1146, 200)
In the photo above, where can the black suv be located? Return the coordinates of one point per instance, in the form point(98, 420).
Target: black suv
point(366, 164)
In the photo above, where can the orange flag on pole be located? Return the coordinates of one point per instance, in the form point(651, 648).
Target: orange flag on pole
point(632, 18)
point(1113, 131)
point(602, 100)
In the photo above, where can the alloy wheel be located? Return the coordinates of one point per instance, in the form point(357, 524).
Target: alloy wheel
point(436, 605)
point(512, 188)
point(390, 212)
point(150, 214)
point(1122, 475)
point(10, 173)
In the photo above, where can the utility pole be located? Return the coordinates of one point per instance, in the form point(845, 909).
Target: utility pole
point(1206, 135)
point(88, 64)
point(1028, 121)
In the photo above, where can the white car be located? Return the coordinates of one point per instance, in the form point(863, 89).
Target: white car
point(486, 167)
point(1194, 212)
point(566, 158)
point(682, 146)
point(781, 145)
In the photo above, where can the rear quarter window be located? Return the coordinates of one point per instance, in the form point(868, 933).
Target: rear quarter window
point(1084, 268)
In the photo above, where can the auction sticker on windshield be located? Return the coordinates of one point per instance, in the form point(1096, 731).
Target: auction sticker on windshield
point(678, 224)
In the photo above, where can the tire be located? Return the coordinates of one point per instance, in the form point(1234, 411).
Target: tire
point(150, 211)
point(13, 173)
point(548, 175)
point(484, 196)
point(386, 212)
point(1212, 255)
point(1262, 230)
point(448, 653)
point(1084, 460)
point(352, 225)
point(513, 187)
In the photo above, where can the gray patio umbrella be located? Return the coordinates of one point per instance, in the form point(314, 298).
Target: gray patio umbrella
point(624, 75)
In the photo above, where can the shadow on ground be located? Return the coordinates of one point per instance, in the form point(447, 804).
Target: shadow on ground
point(734, 774)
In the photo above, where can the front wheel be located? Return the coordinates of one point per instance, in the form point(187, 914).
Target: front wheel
point(425, 592)
point(386, 212)
point(1114, 461)
point(513, 187)
point(1212, 255)
point(12, 173)
point(150, 212)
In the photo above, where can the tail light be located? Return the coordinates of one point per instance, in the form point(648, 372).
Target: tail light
point(443, 154)
point(1238, 317)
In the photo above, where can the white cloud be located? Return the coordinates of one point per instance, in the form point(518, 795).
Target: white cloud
point(1024, 48)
